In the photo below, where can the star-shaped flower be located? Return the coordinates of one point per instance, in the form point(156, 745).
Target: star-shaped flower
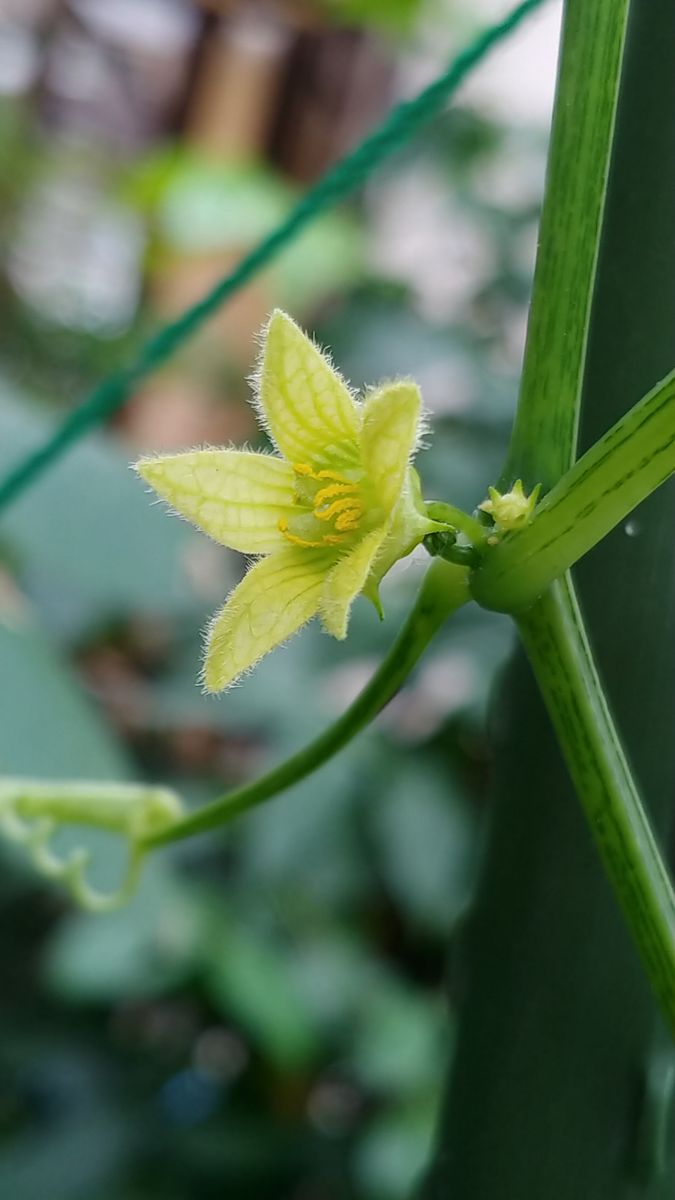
point(329, 515)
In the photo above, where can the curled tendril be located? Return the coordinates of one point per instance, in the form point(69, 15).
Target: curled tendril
point(31, 812)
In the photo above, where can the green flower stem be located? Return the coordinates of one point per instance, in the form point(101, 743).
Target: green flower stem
point(556, 644)
point(445, 589)
point(599, 491)
point(438, 510)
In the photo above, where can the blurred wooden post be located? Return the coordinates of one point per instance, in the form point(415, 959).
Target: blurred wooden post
point(235, 94)
point(228, 117)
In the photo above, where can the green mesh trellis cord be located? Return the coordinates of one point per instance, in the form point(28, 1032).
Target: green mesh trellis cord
point(343, 178)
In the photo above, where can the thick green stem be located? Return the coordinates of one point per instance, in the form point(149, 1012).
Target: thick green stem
point(445, 589)
point(554, 1087)
point(544, 439)
point(557, 646)
point(601, 489)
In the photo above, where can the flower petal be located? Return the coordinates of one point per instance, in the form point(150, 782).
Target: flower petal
point(274, 599)
point(346, 580)
point(391, 420)
point(235, 496)
point(305, 404)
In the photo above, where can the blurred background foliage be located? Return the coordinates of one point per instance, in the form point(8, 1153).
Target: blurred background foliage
point(269, 1018)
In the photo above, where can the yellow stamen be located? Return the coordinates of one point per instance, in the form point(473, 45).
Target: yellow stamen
point(333, 475)
point(349, 519)
point(333, 489)
point(298, 541)
point(338, 501)
point(327, 539)
point(338, 506)
point(310, 473)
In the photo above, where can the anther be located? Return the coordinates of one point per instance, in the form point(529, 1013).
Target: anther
point(327, 539)
point(333, 475)
point(349, 519)
point(339, 506)
point(333, 489)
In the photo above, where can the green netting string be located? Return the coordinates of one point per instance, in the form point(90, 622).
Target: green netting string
point(347, 175)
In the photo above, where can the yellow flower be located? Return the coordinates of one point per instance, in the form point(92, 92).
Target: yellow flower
point(328, 515)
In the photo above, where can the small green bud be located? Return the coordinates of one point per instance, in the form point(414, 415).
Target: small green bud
point(510, 510)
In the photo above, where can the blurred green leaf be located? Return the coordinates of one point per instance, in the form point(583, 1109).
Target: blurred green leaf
point(203, 205)
point(48, 727)
point(87, 540)
point(334, 972)
point(142, 950)
point(394, 1151)
point(72, 1159)
point(425, 841)
point(250, 978)
point(308, 830)
point(400, 1040)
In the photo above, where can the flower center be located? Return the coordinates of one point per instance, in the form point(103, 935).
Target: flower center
point(330, 508)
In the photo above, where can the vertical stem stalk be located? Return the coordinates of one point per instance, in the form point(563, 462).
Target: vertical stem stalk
point(555, 1086)
point(556, 644)
point(544, 439)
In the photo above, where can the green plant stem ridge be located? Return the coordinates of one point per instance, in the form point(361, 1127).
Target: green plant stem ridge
point(544, 437)
point(556, 643)
point(595, 493)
